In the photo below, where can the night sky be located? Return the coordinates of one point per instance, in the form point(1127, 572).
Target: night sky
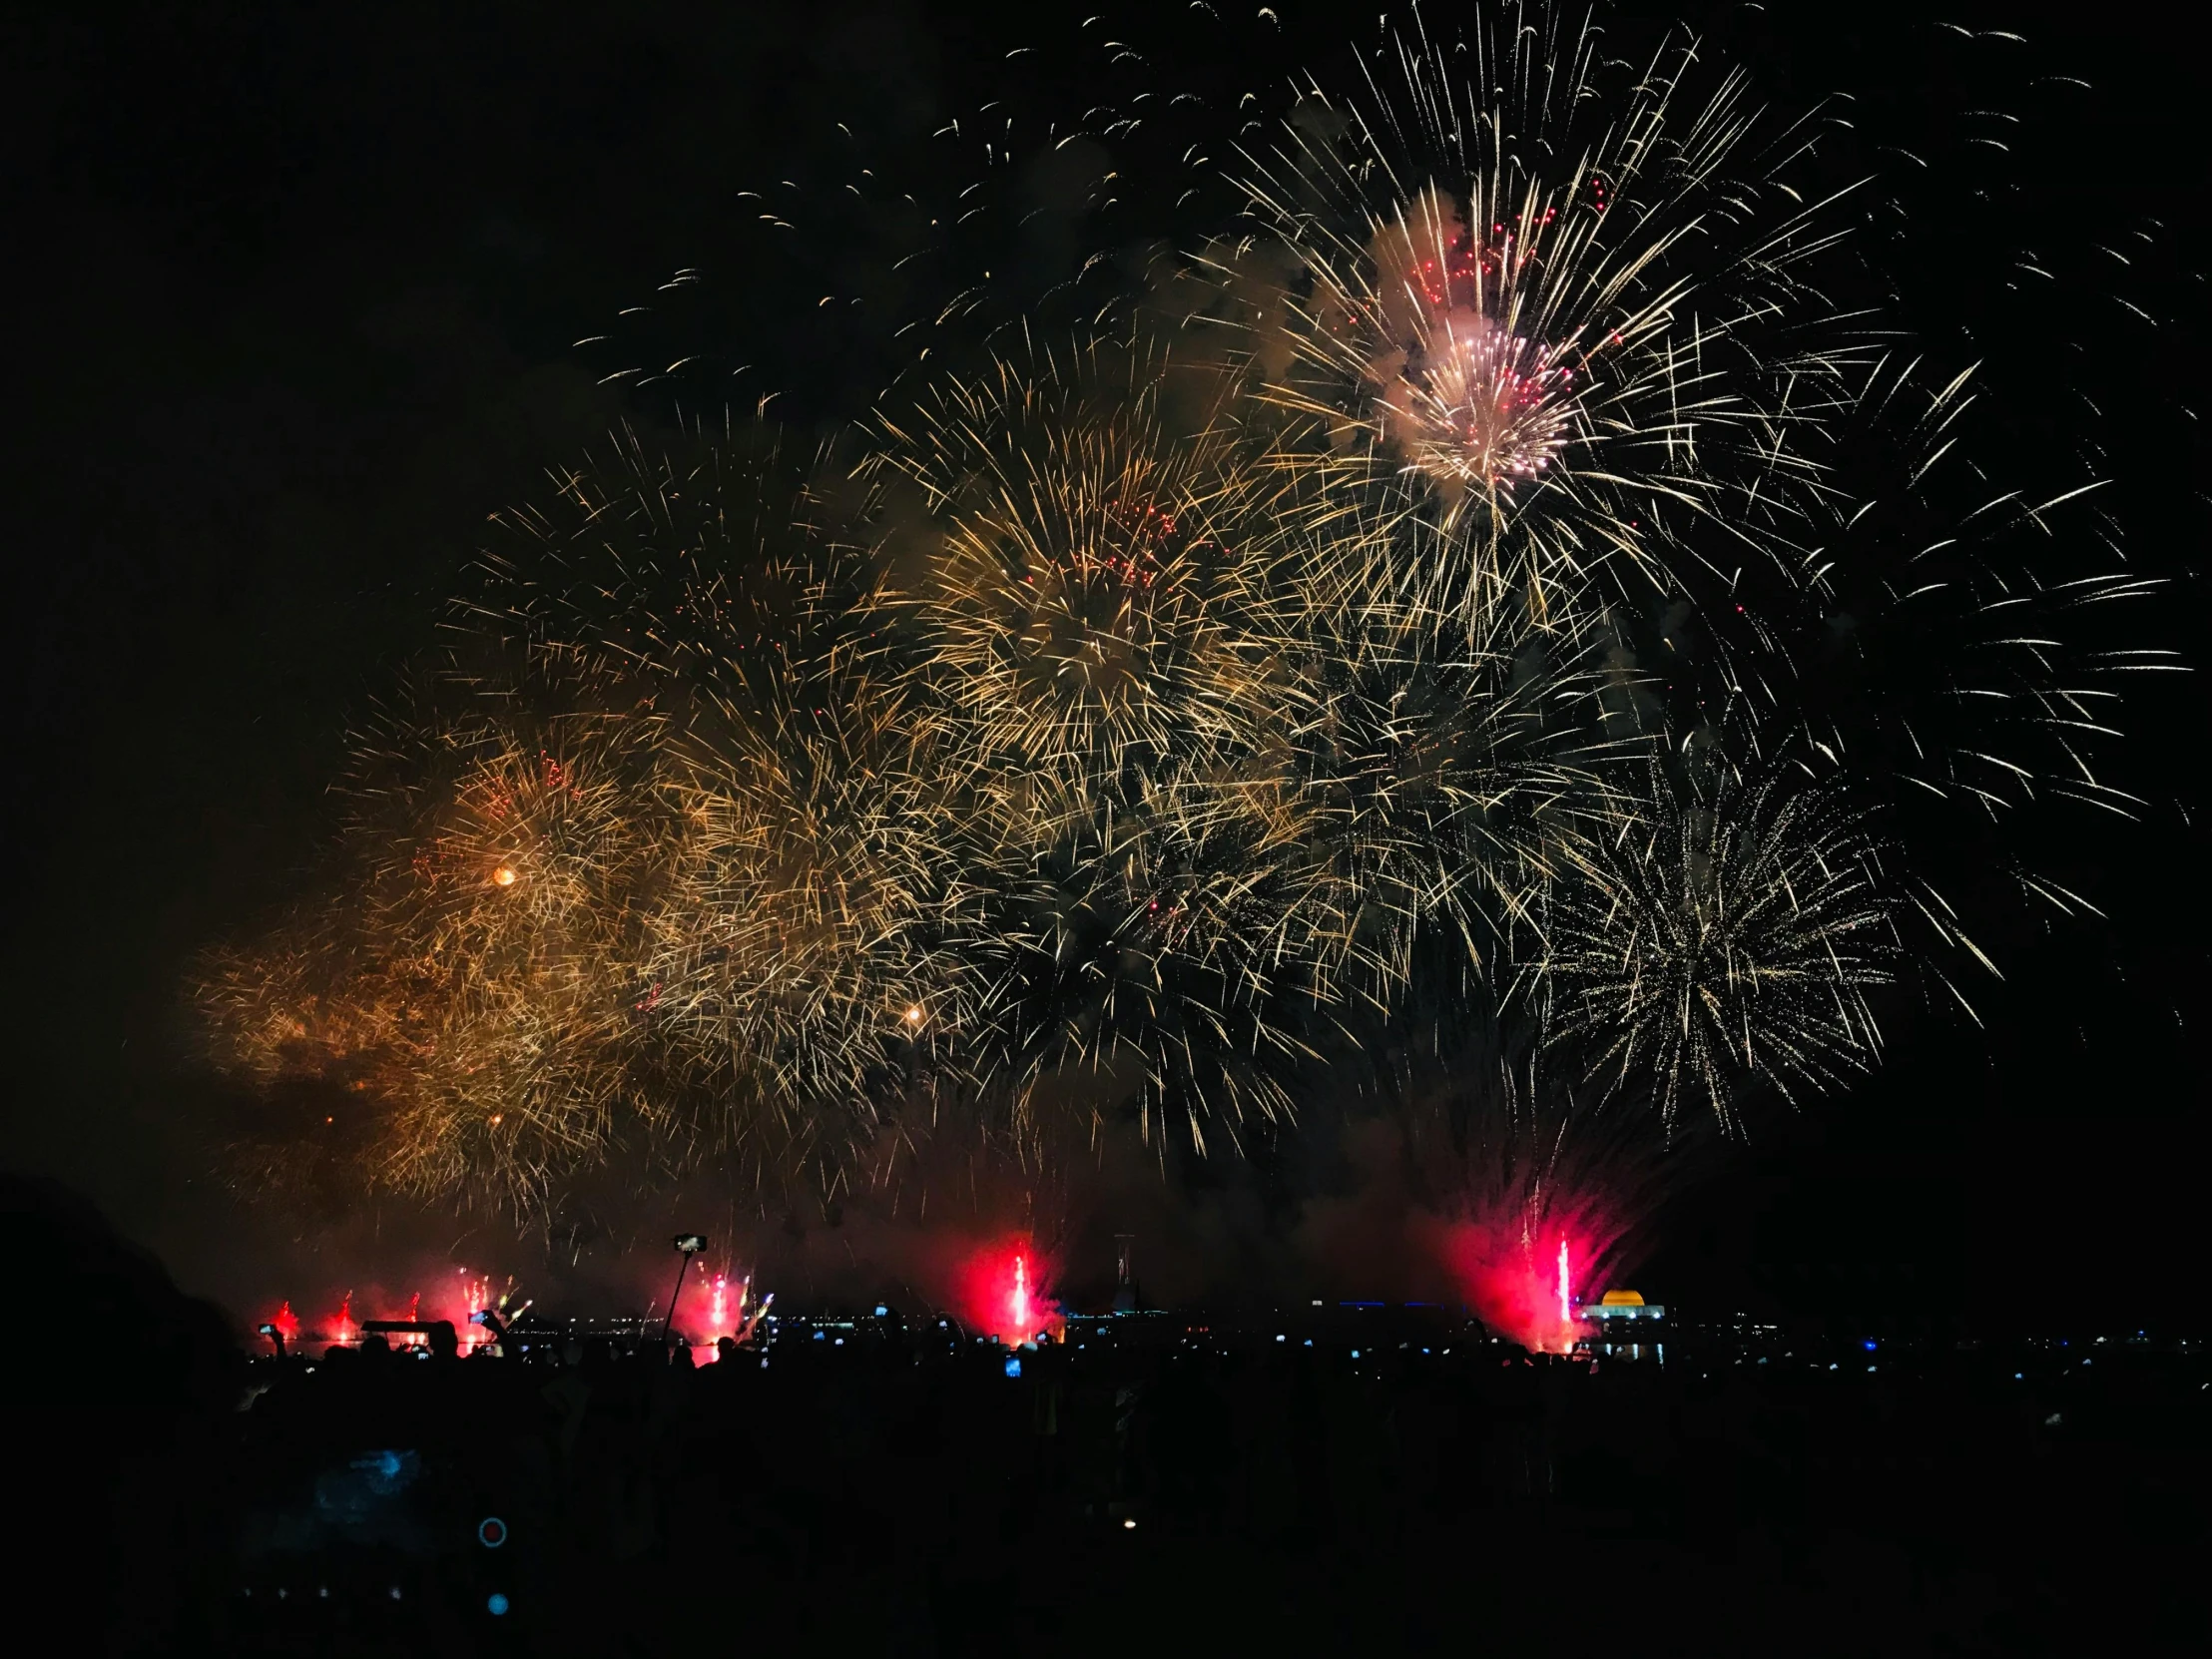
point(296, 296)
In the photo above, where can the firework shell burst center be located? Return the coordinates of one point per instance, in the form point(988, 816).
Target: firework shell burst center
point(1463, 387)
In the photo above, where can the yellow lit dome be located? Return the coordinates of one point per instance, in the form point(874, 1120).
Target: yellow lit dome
point(1620, 1299)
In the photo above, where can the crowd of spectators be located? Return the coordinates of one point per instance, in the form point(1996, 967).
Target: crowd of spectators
point(892, 1483)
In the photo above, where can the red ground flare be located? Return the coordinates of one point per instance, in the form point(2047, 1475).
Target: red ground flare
point(457, 1300)
point(1506, 1256)
point(287, 1324)
point(716, 1304)
point(1003, 1290)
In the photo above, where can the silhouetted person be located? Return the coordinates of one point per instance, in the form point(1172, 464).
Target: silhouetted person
point(119, 1464)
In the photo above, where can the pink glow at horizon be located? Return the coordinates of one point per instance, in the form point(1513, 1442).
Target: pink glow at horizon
point(724, 1306)
point(1517, 1258)
point(456, 1301)
point(1001, 1291)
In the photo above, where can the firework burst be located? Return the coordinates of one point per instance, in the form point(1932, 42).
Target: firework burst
point(1135, 725)
point(465, 983)
point(1564, 301)
point(1729, 931)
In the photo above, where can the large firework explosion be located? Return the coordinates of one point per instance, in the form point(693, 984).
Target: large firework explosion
point(1504, 566)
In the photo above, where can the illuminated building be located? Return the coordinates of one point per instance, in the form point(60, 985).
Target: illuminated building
point(1626, 1326)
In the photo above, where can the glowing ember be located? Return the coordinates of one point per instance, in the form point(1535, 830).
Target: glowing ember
point(503, 876)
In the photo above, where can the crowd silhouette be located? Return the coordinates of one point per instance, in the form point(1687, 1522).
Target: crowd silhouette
point(891, 1483)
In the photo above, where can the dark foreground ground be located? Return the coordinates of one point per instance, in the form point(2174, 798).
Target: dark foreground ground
point(897, 1493)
